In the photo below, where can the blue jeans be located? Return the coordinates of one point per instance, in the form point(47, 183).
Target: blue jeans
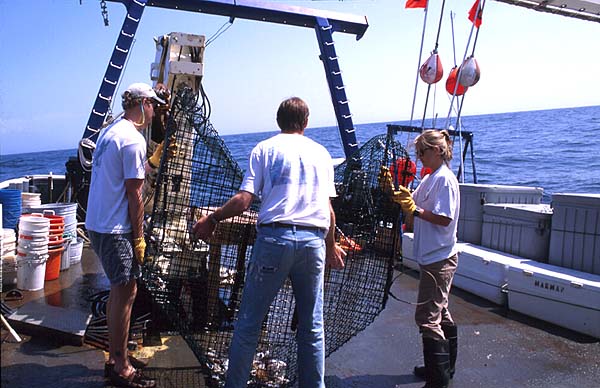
point(280, 253)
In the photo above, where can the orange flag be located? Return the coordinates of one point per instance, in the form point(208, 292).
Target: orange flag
point(416, 4)
point(476, 6)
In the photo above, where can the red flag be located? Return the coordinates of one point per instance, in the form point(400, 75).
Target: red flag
point(474, 10)
point(416, 4)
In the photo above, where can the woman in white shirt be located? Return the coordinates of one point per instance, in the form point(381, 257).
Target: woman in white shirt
point(434, 208)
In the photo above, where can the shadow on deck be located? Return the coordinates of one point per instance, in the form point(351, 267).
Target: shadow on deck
point(497, 348)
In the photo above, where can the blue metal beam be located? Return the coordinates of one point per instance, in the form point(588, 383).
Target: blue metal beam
point(324, 22)
point(267, 12)
point(337, 88)
point(135, 9)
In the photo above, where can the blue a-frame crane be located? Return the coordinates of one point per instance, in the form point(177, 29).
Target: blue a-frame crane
point(325, 24)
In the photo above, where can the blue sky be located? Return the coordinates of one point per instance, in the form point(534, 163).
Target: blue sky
point(55, 53)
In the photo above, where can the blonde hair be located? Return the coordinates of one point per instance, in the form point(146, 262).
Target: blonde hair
point(435, 138)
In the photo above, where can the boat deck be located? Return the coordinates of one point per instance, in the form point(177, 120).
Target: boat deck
point(497, 348)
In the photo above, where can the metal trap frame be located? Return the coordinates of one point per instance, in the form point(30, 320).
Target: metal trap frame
point(196, 286)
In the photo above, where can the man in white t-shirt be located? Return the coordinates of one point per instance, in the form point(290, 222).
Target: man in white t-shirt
point(114, 222)
point(293, 177)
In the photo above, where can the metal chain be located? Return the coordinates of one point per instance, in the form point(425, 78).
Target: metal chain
point(104, 12)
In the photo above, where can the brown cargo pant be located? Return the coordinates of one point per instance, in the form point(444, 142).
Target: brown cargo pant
point(432, 301)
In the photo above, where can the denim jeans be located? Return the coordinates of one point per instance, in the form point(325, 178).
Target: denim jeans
point(280, 253)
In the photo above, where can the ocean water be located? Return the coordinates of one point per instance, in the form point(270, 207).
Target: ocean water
point(558, 150)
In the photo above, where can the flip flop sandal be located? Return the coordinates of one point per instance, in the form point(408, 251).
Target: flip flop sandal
point(135, 363)
point(134, 380)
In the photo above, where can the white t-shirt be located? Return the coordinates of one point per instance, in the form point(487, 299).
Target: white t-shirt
point(293, 177)
point(120, 155)
point(438, 193)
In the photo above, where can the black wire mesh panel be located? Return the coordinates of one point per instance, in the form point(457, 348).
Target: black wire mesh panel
point(197, 285)
point(367, 222)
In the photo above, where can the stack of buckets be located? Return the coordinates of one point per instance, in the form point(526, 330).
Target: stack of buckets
point(56, 245)
point(8, 242)
point(32, 252)
point(30, 199)
point(73, 245)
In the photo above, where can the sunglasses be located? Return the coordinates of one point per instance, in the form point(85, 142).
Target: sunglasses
point(421, 151)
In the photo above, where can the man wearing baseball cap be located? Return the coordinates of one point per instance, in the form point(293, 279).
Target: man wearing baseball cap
point(114, 222)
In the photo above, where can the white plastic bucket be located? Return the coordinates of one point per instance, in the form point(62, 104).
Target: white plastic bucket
point(30, 199)
point(31, 272)
point(65, 258)
point(75, 251)
point(9, 272)
point(33, 244)
point(71, 230)
point(34, 235)
point(24, 251)
point(31, 221)
point(33, 196)
point(66, 210)
point(33, 224)
point(9, 241)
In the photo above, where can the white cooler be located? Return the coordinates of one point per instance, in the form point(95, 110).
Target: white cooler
point(565, 297)
point(474, 196)
point(484, 272)
point(519, 229)
point(575, 234)
point(481, 271)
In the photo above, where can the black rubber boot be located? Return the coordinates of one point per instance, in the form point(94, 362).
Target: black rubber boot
point(437, 363)
point(419, 371)
point(451, 334)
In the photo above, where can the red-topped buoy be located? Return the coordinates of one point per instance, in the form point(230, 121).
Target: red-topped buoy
point(451, 83)
point(431, 70)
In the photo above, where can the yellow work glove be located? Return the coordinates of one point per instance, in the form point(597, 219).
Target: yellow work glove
point(139, 249)
point(172, 151)
point(155, 159)
point(405, 199)
point(385, 180)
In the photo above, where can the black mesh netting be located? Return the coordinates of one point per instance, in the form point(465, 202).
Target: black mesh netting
point(197, 285)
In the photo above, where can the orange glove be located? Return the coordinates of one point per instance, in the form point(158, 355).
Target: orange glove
point(405, 199)
point(139, 249)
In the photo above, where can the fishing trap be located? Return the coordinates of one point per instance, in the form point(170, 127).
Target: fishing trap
point(196, 286)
